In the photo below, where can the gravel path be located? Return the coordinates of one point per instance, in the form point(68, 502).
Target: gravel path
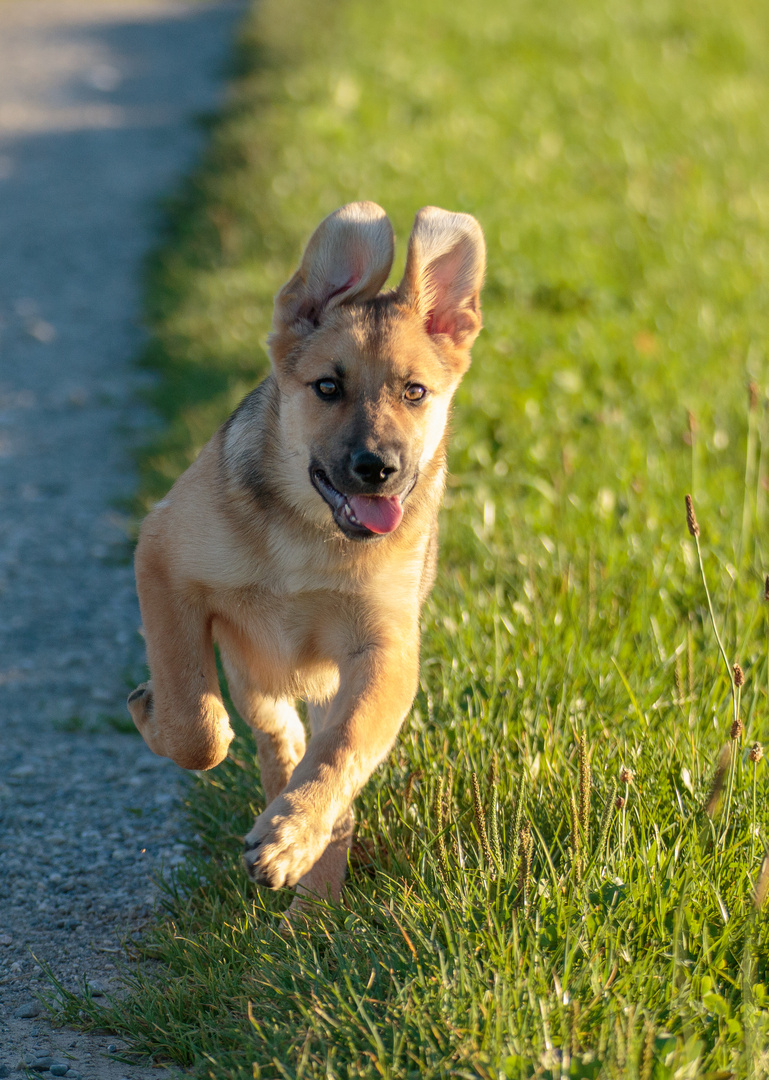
point(97, 100)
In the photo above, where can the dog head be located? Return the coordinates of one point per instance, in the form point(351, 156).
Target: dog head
point(366, 378)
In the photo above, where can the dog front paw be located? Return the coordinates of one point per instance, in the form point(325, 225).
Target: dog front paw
point(284, 844)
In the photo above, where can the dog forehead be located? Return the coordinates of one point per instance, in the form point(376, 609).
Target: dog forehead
point(379, 339)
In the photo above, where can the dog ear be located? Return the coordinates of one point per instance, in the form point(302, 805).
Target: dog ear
point(445, 265)
point(348, 258)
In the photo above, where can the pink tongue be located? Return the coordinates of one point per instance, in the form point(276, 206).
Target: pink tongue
point(377, 513)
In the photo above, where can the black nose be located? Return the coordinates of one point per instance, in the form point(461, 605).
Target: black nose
point(371, 468)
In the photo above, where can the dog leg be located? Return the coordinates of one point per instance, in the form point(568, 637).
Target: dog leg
point(179, 712)
point(377, 688)
point(326, 878)
point(280, 738)
point(279, 752)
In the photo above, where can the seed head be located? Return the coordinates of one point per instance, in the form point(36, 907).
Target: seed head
point(585, 783)
point(493, 771)
point(717, 783)
point(518, 821)
point(527, 848)
point(762, 883)
point(480, 820)
point(439, 810)
point(752, 396)
point(691, 517)
point(625, 775)
point(412, 779)
point(737, 728)
point(647, 1053)
point(756, 752)
point(620, 802)
point(739, 675)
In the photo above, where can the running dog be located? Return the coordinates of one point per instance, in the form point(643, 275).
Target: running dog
point(303, 539)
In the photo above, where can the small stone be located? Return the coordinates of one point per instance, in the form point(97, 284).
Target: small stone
point(28, 1010)
point(41, 330)
point(111, 1049)
point(4, 1071)
point(21, 772)
point(58, 1069)
point(41, 1064)
point(6, 939)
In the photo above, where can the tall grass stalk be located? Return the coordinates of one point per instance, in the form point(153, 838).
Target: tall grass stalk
point(585, 785)
point(606, 820)
point(480, 821)
point(756, 753)
point(439, 812)
point(735, 733)
point(694, 531)
point(748, 507)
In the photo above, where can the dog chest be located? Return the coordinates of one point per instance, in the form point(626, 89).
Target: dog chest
point(288, 644)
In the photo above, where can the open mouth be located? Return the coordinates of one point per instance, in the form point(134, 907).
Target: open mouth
point(359, 516)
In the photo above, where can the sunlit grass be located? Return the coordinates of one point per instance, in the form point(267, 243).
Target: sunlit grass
point(616, 155)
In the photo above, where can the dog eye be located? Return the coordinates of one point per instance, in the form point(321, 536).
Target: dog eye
point(326, 388)
point(414, 392)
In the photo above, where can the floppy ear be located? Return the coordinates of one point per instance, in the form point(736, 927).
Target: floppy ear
point(445, 265)
point(348, 258)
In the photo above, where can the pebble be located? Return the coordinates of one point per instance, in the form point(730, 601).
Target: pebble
point(57, 1069)
point(42, 1064)
point(28, 1010)
point(22, 772)
point(4, 1071)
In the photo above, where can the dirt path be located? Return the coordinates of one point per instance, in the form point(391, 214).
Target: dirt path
point(97, 101)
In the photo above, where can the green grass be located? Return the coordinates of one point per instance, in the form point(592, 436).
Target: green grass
point(616, 155)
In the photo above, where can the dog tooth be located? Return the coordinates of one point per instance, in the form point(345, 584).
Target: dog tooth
point(349, 514)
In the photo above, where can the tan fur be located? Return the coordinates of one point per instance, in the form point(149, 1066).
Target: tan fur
point(246, 552)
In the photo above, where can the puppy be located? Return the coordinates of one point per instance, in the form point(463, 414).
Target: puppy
point(303, 539)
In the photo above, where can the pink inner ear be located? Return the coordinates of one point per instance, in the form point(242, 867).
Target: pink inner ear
point(438, 323)
point(343, 288)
